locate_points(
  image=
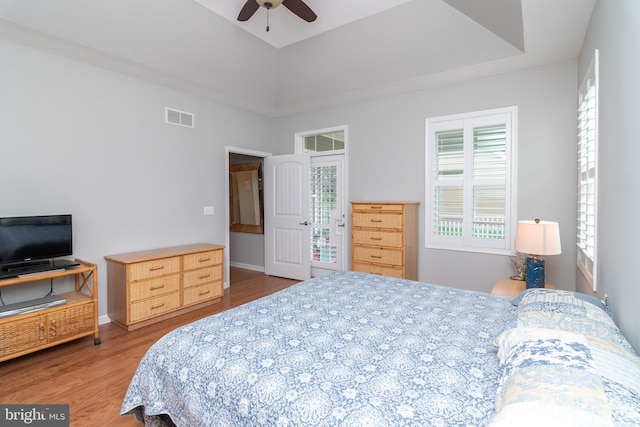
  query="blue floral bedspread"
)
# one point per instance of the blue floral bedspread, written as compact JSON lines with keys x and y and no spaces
{"x":347,"y":349}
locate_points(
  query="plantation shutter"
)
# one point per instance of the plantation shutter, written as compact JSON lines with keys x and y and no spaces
{"x":469,"y":160}
{"x":489,"y":188}
{"x":448,"y":203}
{"x":587,"y":173}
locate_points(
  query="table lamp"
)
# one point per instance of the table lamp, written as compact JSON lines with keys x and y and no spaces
{"x":537,"y":238}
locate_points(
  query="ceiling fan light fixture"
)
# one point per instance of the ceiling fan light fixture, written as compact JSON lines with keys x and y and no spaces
{"x":298,"y":7}
{"x":269,"y":4}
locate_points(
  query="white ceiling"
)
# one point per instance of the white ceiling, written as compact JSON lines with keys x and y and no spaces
{"x":286,"y":28}
{"x":356,"y":50}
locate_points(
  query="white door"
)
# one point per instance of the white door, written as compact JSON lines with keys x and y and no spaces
{"x":286,"y":216}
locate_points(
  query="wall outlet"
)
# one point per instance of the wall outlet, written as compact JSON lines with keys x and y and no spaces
{"x":209,"y":210}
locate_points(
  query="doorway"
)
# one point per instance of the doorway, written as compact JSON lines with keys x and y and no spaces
{"x":316,"y":238}
{"x":243,"y":250}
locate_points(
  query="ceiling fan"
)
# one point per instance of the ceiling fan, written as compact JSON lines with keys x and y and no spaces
{"x":298,"y":7}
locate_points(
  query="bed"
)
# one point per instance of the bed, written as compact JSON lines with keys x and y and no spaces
{"x":353,"y":349}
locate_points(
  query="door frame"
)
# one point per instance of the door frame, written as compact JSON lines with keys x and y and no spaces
{"x":227,"y":217}
{"x":298,"y":148}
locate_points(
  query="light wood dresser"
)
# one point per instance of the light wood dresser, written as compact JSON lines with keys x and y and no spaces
{"x":384,"y":238}
{"x":149,"y":286}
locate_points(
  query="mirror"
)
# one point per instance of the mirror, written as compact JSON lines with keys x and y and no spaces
{"x":245,"y":194}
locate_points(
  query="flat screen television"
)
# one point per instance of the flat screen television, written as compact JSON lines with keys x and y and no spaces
{"x":30,"y":243}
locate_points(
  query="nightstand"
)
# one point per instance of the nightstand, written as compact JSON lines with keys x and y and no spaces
{"x":512,"y":288}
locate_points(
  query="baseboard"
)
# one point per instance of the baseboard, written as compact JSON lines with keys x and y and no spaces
{"x":247,"y":266}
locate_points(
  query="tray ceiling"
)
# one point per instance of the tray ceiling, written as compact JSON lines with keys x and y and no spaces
{"x":356,"y":49}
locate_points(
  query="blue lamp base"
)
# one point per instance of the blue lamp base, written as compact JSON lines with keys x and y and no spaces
{"x":535,"y":272}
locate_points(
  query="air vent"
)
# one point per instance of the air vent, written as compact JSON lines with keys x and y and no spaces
{"x":177,"y":117}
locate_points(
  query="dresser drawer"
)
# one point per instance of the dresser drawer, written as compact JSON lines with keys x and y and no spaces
{"x":154,"y":287}
{"x":203,"y":275}
{"x":196,"y":294}
{"x":378,"y":238}
{"x":146,"y":309}
{"x":379,"y":269}
{"x":202,"y":259}
{"x":378,"y":220}
{"x":378,"y":255}
{"x":154,"y":268}
{"x":378,"y":207}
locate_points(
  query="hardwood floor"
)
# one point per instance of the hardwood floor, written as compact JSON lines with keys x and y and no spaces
{"x":93,"y":379}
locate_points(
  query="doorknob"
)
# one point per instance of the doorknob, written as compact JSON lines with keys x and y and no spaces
{"x":304,"y":223}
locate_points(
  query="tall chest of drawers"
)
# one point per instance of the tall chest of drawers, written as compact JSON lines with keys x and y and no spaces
{"x":384,"y":238}
{"x":149,"y":286}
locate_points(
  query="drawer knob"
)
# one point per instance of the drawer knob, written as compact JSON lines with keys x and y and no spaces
{"x":156,"y":268}
{"x":155,"y":288}
{"x":205,"y":276}
{"x":153,"y":307}
{"x":376,"y":256}
{"x":376,"y":238}
{"x":204,"y":259}
{"x":204,"y":293}
{"x":376,"y":220}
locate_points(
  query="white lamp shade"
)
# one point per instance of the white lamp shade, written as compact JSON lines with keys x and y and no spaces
{"x":538,"y":238}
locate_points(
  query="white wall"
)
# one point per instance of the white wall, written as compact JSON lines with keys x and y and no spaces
{"x":615,"y":31}
{"x":386,"y":152}
{"x":246,"y":250}
{"x":79,"y":139}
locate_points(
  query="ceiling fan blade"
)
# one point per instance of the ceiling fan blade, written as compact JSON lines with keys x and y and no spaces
{"x":301,"y":9}
{"x":248,"y":10}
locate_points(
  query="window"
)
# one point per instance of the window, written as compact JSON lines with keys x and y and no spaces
{"x":328,"y":141}
{"x":470,"y":181}
{"x":588,"y":173}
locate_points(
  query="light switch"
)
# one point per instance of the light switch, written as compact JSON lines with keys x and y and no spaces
{"x":209,"y":210}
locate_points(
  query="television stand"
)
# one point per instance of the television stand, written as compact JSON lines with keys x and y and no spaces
{"x":78,"y":317}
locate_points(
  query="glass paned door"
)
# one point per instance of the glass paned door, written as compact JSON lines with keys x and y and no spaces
{"x":327,"y":218}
